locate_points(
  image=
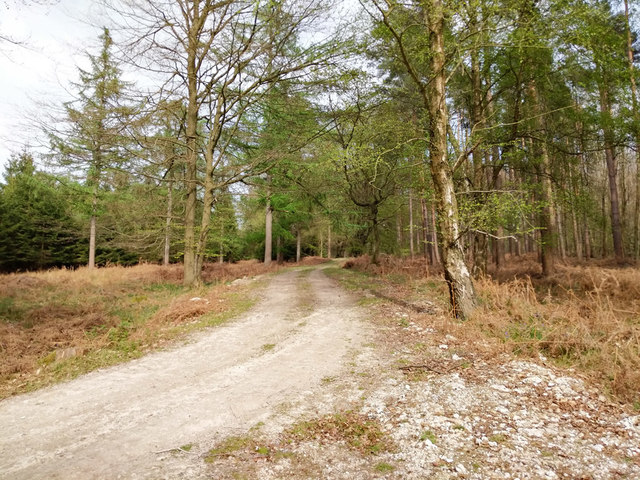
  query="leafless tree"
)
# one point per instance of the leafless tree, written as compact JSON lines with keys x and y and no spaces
{"x":220,"y":58}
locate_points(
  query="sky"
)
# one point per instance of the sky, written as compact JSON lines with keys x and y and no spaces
{"x":36,"y":75}
{"x":53,"y":36}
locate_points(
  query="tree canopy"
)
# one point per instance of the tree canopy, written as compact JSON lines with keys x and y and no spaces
{"x":462,"y":131}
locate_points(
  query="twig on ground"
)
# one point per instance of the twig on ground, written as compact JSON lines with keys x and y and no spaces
{"x":409,"y":368}
{"x":178,"y":449}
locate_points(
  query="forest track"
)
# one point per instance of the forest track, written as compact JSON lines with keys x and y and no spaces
{"x":120,"y":422}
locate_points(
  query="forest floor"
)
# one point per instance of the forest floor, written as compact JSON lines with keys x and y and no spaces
{"x":317,"y":381}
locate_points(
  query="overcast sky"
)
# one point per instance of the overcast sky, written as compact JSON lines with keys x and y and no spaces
{"x":53,"y":35}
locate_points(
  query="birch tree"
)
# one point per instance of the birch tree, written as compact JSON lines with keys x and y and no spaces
{"x":424,"y":59}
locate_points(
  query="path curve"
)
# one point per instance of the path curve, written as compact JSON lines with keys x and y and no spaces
{"x":111,"y":423}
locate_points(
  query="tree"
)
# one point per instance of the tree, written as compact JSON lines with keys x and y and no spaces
{"x":430,"y":78}
{"x":96,"y":121}
{"x":636,"y":128}
{"x":221,"y":57}
{"x":603,"y":39}
{"x":374,"y":141}
{"x":37,"y":226}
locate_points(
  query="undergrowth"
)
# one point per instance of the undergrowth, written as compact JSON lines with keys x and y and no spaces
{"x":584,"y":317}
{"x":59,"y":324}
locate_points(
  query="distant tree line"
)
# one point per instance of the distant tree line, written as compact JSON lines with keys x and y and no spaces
{"x":461,"y":132}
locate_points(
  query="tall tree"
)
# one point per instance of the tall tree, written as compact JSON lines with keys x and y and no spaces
{"x":430,"y":79}
{"x":92,"y":139}
{"x":635,"y":130}
{"x":221,"y":57}
{"x":604,"y":39}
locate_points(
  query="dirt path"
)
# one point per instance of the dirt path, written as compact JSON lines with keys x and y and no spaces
{"x":120,"y":422}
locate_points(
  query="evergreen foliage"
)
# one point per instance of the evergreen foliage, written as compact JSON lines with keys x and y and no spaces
{"x":37,"y":225}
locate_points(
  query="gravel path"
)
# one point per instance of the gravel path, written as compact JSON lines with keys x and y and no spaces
{"x":120,"y":422}
{"x":451,"y":409}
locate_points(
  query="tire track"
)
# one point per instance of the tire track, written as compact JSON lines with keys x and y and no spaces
{"x":109,"y":423}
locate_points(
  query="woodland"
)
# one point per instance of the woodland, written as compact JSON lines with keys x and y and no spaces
{"x":462,"y":133}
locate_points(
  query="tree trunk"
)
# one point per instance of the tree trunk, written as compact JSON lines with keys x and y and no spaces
{"x":434,"y":236}
{"x":603,"y":225}
{"x":425,"y":231}
{"x":498,"y":243}
{"x":279,"y":252}
{"x":480,"y":249}
{"x":616,"y":227}
{"x":561,"y":234}
{"x":375,"y":251}
{"x":167,"y":226}
{"x":636,"y":118}
{"x":548,"y":231}
{"x":588,"y":251}
{"x":298,"y":244}
{"x":622,"y":167}
{"x":92,"y":242}
{"x":209,"y":187}
{"x":329,"y":242}
{"x":398,"y":248}
{"x":479,"y":240}
{"x":461,"y":291}
{"x":221,"y":254}
{"x":191,"y":276}
{"x":577,"y":243}
{"x":92,"y":230}
{"x":411,"y":246}
{"x":586,"y":239}
{"x":268,"y":237}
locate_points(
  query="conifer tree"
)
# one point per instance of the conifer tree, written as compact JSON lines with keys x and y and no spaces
{"x":92,"y":141}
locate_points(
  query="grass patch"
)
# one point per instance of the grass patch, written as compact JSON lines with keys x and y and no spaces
{"x":228,"y":447}
{"x":498,"y":438}
{"x":245,"y":448}
{"x":383,"y":467}
{"x":356,"y":431}
{"x":267,"y":347}
{"x":183,"y":448}
{"x":428,"y":435}
{"x":369,"y":300}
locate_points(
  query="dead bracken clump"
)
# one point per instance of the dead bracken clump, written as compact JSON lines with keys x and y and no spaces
{"x":586,"y":317}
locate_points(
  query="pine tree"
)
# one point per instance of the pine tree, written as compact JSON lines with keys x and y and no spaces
{"x":96,"y":122}
{"x":37,"y":226}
